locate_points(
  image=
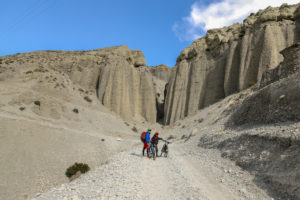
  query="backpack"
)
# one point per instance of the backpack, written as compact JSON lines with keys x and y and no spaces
{"x":143,"y":136}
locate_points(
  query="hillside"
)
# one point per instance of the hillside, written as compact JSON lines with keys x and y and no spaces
{"x":52,"y":115}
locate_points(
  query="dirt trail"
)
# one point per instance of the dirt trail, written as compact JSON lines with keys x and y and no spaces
{"x":128,"y":175}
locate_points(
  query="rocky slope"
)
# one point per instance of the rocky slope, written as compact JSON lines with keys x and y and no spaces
{"x":47,"y":123}
{"x":116,"y":76}
{"x":229,"y":60}
{"x":278,"y":99}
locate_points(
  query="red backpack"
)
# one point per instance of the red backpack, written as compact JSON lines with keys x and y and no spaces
{"x":143,"y":136}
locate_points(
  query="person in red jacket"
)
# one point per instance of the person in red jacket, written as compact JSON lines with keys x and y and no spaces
{"x":154,"y":141}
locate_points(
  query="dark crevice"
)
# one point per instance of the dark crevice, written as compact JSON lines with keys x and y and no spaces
{"x":160,"y":107}
{"x":97,"y":86}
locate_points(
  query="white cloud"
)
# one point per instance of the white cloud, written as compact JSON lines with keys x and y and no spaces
{"x":219,"y":14}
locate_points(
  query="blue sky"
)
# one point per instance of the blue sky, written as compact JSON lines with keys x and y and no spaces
{"x":160,"y":28}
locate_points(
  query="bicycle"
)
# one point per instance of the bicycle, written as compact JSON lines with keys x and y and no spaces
{"x":165,"y":149}
{"x":152,"y":153}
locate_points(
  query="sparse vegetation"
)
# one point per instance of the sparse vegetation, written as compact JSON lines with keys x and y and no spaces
{"x":22,"y":108}
{"x":88,"y":99}
{"x":102,"y":139}
{"x":29,"y":72}
{"x":38,"y":103}
{"x":126,"y":123}
{"x":75,"y":110}
{"x":134,"y":129}
{"x":72,"y":170}
{"x":158,"y":95}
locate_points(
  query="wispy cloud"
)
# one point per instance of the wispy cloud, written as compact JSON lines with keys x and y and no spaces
{"x":219,"y":14}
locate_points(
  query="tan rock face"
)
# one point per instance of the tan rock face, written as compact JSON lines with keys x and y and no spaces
{"x":289,"y":66}
{"x":127,"y":90}
{"x":161,"y":72}
{"x":229,"y":60}
{"x":118,"y":76}
{"x":277,"y":102}
{"x":161,"y":75}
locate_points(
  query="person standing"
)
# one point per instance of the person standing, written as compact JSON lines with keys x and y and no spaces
{"x":147,"y":142}
{"x":154,"y":141}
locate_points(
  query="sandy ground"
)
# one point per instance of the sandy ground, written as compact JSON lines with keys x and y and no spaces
{"x":180,"y":176}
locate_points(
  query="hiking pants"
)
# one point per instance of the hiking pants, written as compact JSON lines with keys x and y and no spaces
{"x":156,"y":149}
{"x":146,"y":146}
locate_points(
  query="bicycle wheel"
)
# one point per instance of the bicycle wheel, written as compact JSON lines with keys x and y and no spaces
{"x":153,"y":152}
{"x":166,"y":154}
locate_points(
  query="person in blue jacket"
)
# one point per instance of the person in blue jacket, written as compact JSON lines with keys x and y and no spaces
{"x":147,"y":142}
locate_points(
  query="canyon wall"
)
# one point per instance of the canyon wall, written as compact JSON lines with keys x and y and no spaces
{"x":229,"y":60}
{"x":117,"y":76}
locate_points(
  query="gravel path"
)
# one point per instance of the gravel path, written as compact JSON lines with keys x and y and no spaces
{"x":183,"y":175}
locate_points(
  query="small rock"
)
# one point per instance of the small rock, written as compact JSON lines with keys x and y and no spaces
{"x":38,"y":194}
{"x":282,"y":96}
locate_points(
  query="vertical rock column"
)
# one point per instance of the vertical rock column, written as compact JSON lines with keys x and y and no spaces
{"x":126,"y":87}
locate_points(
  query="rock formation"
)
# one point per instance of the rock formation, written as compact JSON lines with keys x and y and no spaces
{"x":126,"y":86}
{"x":229,"y":60}
{"x":118,"y":76}
{"x":289,"y":66}
{"x":277,"y":102}
{"x":161,"y":74}
{"x":223,"y":62}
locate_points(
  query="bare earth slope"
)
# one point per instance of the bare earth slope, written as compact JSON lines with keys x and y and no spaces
{"x":47,"y":123}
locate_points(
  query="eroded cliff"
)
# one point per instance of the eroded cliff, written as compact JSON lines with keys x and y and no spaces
{"x":229,"y":60}
{"x":115,"y":76}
